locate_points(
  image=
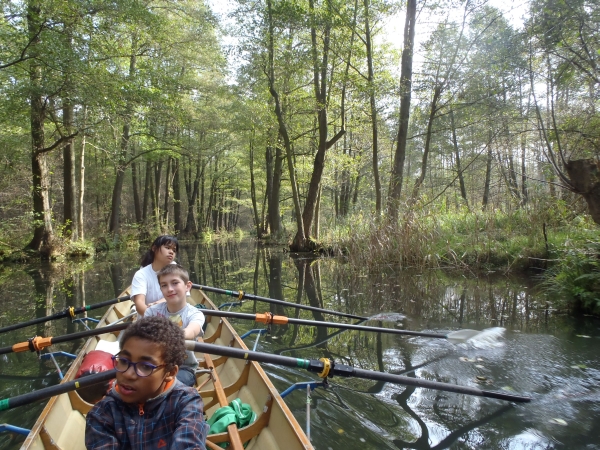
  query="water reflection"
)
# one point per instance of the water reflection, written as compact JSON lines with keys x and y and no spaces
{"x":543,"y":353}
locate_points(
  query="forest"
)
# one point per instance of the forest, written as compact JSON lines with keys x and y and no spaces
{"x":472,"y":144}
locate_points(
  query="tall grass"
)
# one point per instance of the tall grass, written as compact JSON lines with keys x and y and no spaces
{"x":464,"y":240}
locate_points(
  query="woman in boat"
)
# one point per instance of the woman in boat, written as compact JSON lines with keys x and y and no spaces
{"x":145,"y":290}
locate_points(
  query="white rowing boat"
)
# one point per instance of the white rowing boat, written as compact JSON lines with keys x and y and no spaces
{"x":61,"y":425}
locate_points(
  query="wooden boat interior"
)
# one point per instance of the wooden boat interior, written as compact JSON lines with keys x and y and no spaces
{"x":61,"y":426}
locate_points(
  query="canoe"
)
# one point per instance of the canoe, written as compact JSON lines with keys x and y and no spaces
{"x":61,"y":425}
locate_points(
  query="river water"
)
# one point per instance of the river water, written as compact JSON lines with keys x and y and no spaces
{"x":551,"y":357}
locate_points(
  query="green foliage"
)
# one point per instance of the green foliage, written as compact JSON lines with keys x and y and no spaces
{"x":575,"y":277}
{"x":461,"y":240}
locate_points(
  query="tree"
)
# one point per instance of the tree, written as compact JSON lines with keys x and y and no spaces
{"x":39,"y":43}
{"x":397,"y":175}
{"x":320,"y":85}
{"x":565,"y":41}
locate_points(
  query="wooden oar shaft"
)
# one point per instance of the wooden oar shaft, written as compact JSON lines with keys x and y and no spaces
{"x":38,"y":343}
{"x":320,"y":366}
{"x":66,"y":313}
{"x":268,"y":318}
{"x":51,"y":391}
{"x":241,"y":295}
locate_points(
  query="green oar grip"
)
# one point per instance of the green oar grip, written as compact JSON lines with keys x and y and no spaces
{"x":42,"y":394}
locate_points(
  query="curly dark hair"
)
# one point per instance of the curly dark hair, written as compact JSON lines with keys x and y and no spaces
{"x":148,"y":257}
{"x":163,"y":332}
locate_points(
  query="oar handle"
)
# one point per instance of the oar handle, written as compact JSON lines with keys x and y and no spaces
{"x":51,"y":391}
{"x":66,"y":313}
{"x":88,"y":333}
{"x":325,"y":368}
{"x":40,"y":343}
{"x":241,"y":295}
{"x":107,"y":303}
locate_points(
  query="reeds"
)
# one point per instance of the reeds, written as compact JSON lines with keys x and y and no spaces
{"x":461,"y":240}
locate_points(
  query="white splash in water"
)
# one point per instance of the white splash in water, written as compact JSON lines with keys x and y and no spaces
{"x":488,"y":338}
{"x":388,"y":317}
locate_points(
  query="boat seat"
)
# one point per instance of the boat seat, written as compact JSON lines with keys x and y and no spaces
{"x":70,"y":430}
{"x":74,"y":432}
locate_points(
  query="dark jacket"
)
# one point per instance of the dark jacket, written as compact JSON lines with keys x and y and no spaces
{"x":172,"y":420}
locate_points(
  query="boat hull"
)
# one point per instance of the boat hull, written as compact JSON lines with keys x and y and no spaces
{"x":61,"y":425}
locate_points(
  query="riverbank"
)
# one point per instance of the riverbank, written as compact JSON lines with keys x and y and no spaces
{"x":551,"y":244}
{"x":561,"y":250}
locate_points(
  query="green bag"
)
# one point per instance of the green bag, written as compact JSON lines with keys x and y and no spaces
{"x":237,"y":412}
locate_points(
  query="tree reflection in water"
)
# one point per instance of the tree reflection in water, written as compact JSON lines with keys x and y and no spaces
{"x":382,"y":415}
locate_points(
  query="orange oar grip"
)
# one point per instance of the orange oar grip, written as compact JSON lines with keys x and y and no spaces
{"x":35,"y":345}
{"x":270,"y":318}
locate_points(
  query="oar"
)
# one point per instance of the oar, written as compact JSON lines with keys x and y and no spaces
{"x":241,"y":295}
{"x":51,"y":391}
{"x":328,"y":368}
{"x":69,"y":312}
{"x":455,"y":337}
{"x":72,"y":311}
{"x":38,"y":343}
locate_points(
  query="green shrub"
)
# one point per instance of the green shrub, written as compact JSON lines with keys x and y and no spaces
{"x":575,"y":277}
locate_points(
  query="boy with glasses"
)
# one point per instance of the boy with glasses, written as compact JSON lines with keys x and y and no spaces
{"x":148,"y":407}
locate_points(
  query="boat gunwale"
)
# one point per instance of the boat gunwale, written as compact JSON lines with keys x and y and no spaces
{"x":277,"y":400}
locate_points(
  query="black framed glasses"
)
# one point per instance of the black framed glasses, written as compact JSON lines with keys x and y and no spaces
{"x":141,"y":368}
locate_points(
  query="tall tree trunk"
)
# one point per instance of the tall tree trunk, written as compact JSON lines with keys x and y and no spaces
{"x":301,"y":241}
{"x":115,"y":216}
{"x":345,"y":185}
{"x":269,"y":186}
{"x":137,"y":206}
{"x":274,"y":211}
{"x":432,"y":112}
{"x":81,"y":168}
{"x":190,"y":224}
{"x":257,"y":223}
{"x":220,"y":223}
{"x":177,"y":224}
{"x":147,"y":192}
{"x":524,"y":193}
{"x":459,"y":171}
{"x":396,"y":178}
{"x":374,"y":130}
{"x":156,"y":196}
{"x":212,"y":209}
{"x":512,"y":175}
{"x":317,"y":224}
{"x":42,"y":217}
{"x":70,"y":185}
{"x":201,"y":200}
{"x":488,"y":173}
{"x":282,"y":127}
{"x":167,"y":194}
